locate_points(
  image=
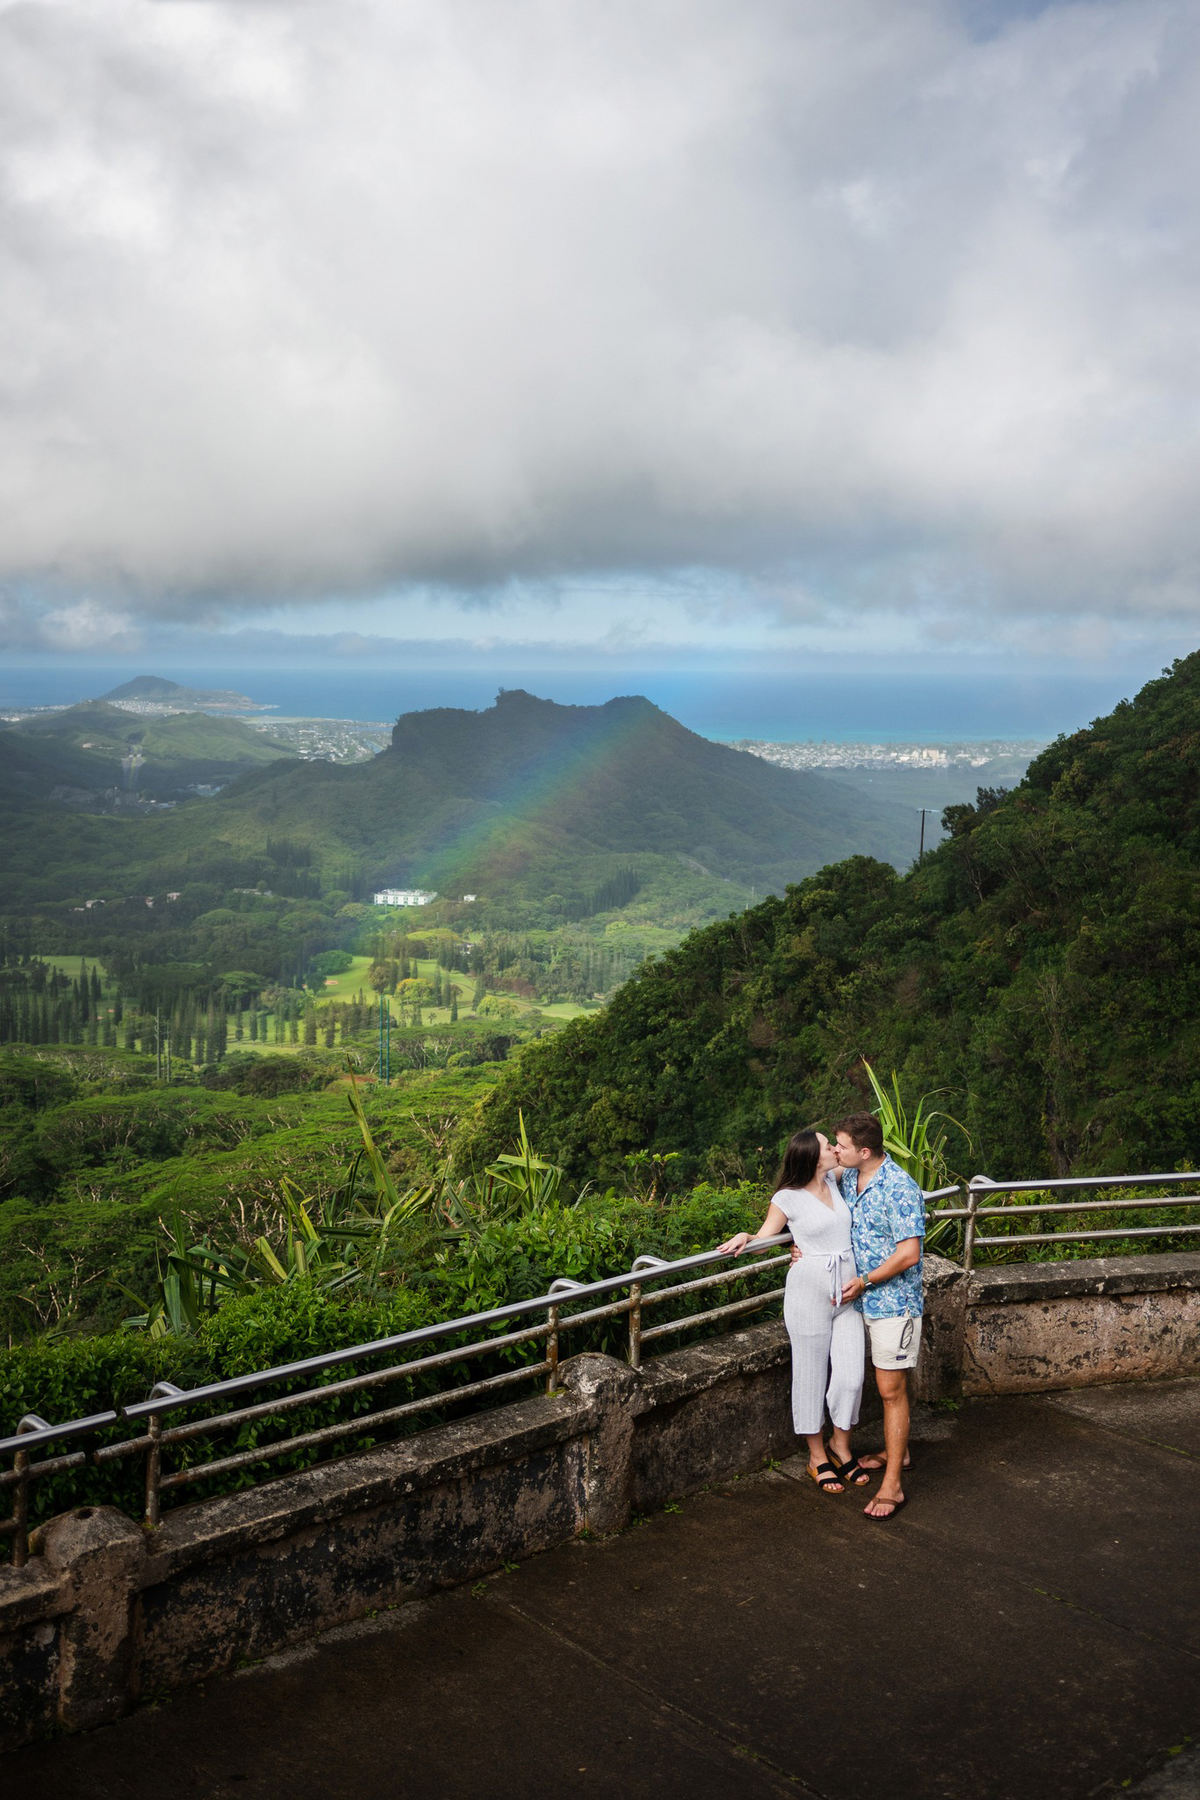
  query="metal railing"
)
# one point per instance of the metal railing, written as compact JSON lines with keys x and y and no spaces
{"x":982,"y":1193}
{"x":153,"y":1436}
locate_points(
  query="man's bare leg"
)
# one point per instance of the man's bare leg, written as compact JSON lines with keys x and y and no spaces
{"x":877,"y":1459}
{"x":893,"y":1391}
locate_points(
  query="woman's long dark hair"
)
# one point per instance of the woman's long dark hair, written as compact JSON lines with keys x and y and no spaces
{"x":800,"y":1161}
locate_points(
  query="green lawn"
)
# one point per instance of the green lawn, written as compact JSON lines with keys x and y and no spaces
{"x":345,"y":987}
{"x":71,"y":965}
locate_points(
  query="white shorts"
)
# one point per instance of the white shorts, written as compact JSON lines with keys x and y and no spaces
{"x":895,"y":1342}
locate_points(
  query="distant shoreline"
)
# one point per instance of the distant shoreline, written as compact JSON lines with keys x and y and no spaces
{"x":769,"y":708}
{"x":891,"y":744}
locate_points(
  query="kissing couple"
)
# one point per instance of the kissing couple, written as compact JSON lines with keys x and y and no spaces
{"x":858,"y":1228}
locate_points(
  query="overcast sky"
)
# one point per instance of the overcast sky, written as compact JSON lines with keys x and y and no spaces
{"x":729,"y":323}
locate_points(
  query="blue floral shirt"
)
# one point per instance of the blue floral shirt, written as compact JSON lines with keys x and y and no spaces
{"x":890,"y":1209}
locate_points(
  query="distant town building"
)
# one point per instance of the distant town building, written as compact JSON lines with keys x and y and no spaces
{"x":403,"y":897}
{"x":812,"y":755}
{"x":470,"y":896}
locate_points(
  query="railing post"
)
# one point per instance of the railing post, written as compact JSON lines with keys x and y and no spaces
{"x":20,"y":1549}
{"x":557,"y":1289}
{"x":643,"y":1265}
{"x":974,"y":1187}
{"x":162,"y":1390}
{"x":153,"y":1468}
{"x":635,"y":1325}
{"x":552,"y":1350}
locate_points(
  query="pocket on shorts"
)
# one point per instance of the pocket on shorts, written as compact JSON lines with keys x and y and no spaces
{"x":896,"y":1342}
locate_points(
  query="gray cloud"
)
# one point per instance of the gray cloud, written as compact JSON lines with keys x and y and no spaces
{"x":891,"y":303}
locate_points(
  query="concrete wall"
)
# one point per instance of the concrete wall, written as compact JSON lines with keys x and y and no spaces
{"x":1028,"y":1327}
{"x":105,"y":1613}
{"x":1061,"y":1325}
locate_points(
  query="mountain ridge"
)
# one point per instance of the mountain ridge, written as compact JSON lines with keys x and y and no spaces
{"x":156,"y":689}
{"x":528,"y":799}
{"x":624,"y":776}
{"x":1039,"y":971}
{"x":172,"y":750}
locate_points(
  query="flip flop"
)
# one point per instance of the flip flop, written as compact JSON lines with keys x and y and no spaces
{"x":884,"y":1518}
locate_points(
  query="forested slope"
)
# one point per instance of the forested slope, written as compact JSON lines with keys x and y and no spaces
{"x":526,"y":798}
{"x":520,"y":792}
{"x":170,"y":751}
{"x":1042,"y":966}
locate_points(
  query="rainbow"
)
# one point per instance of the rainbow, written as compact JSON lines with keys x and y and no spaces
{"x":497,"y":836}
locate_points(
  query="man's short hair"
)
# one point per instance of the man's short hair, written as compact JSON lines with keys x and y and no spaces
{"x":864,"y":1131}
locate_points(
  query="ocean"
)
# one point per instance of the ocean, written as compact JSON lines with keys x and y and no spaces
{"x":839,"y":706}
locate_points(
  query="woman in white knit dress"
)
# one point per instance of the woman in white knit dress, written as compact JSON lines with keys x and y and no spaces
{"x":828,"y":1342}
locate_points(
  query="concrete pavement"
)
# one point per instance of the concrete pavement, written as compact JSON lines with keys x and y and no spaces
{"x":1029,"y":1626}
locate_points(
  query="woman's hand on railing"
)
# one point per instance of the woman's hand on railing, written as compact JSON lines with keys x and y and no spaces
{"x":735,"y":1245}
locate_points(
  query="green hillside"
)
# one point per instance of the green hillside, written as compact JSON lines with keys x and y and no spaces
{"x":156,"y":691}
{"x":155,"y":755}
{"x":530,"y":802}
{"x":1042,"y":966}
{"x":32,"y":765}
{"x":514,"y":797}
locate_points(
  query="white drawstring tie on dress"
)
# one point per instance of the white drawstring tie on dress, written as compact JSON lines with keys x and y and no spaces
{"x":833,"y":1263}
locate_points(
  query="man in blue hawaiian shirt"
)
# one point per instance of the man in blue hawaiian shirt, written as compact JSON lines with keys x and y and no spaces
{"x":887,"y":1231}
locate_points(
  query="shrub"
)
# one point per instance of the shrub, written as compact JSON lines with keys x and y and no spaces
{"x":509,"y":1259}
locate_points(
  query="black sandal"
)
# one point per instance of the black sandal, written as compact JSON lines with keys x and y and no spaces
{"x":852,"y":1473}
{"x":826,"y":1478}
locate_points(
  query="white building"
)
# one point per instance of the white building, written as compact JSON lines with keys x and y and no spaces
{"x":403,"y":897}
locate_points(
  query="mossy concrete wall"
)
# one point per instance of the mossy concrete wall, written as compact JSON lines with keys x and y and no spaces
{"x":1059,"y":1325}
{"x":105,"y":1613}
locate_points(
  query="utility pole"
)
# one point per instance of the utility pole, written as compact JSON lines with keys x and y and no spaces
{"x":157,"y":1045}
{"x":921,"y":851}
